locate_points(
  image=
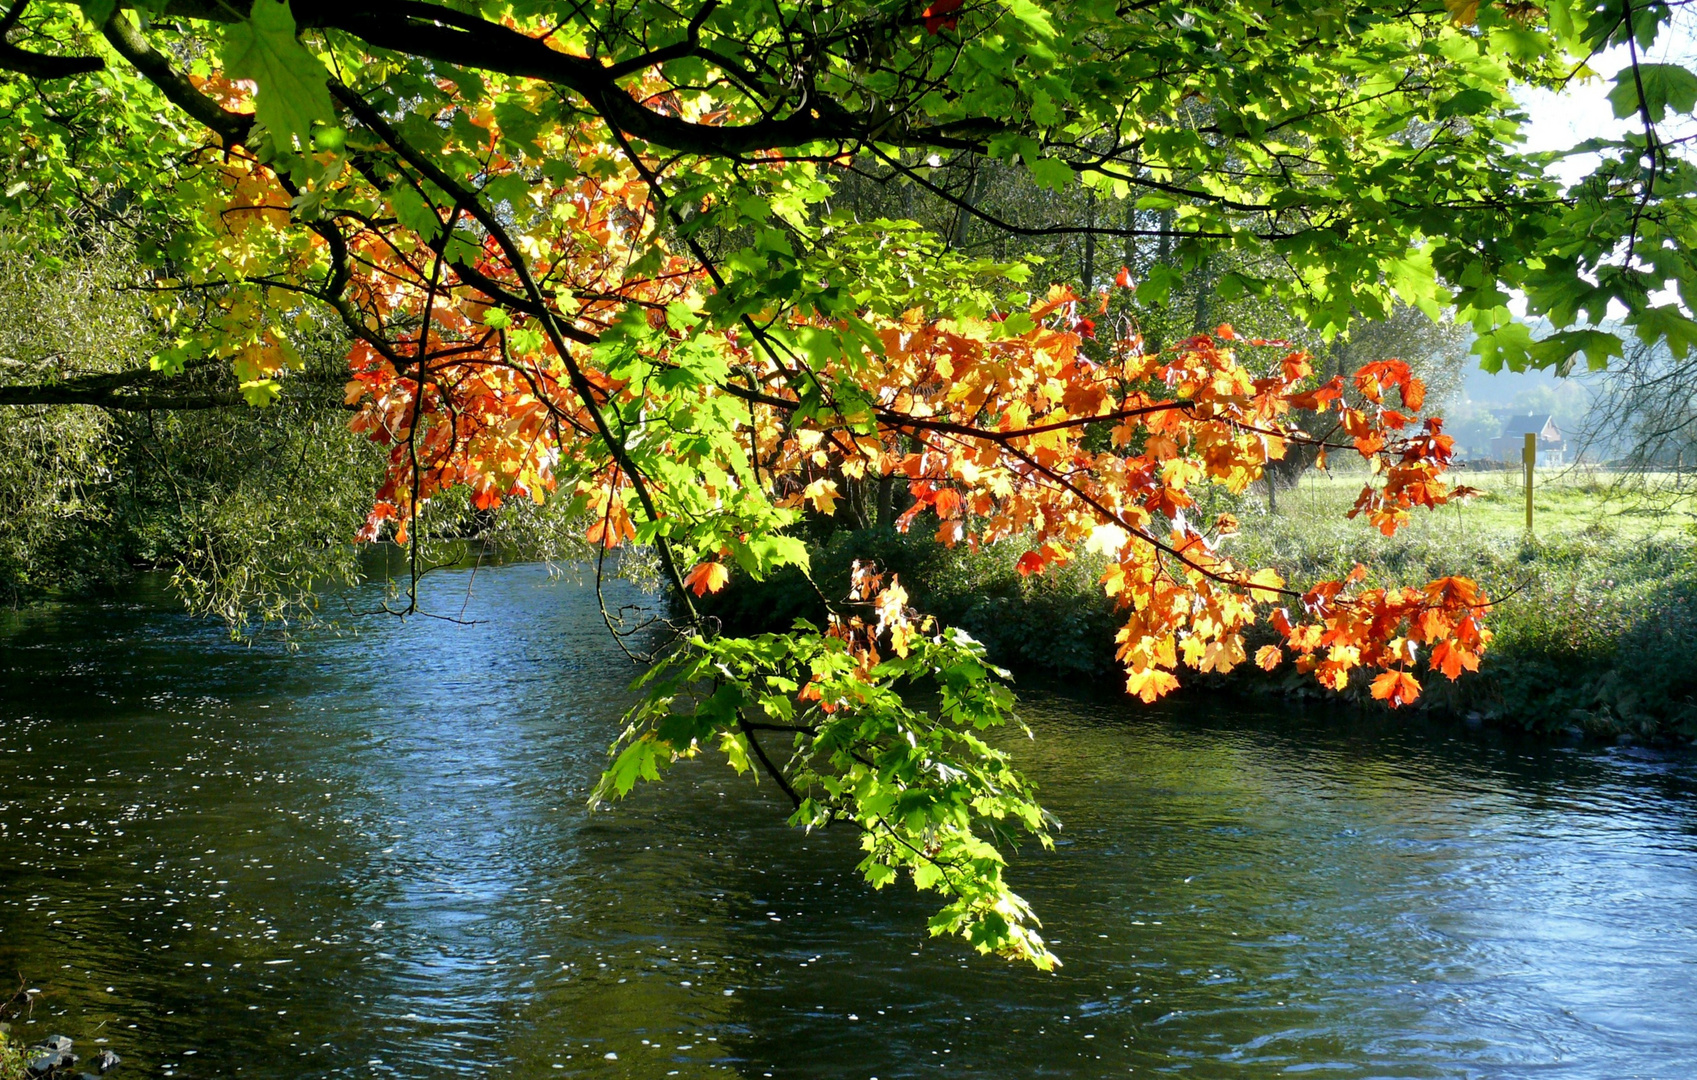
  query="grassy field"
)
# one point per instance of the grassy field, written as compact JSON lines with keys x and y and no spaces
{"x":1565,"y":502}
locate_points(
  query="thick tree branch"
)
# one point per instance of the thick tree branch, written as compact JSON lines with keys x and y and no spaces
{"x":113,"y":398}
{"x":42,"y":66}
{"x":232,"y":127}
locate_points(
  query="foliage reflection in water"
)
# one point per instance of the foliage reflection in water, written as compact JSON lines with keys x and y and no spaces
{"x":371,"y":857}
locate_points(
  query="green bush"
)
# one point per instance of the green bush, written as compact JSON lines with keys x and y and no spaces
{"x":14,"y":1065}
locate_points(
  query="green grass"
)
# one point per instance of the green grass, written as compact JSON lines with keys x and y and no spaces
{"x":1564,"y":502}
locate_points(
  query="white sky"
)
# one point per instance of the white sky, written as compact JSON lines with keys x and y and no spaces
{"x":1582,"y":111}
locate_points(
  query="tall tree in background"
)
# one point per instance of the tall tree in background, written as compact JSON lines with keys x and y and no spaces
{"x":596,"y":254}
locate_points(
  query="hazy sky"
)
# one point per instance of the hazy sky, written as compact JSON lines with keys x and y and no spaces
{"x":1582,"y":111}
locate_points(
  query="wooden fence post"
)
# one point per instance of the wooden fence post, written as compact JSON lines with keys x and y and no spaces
{"x":1529,"y":456}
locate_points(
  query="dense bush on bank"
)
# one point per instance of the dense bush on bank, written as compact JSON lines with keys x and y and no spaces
{"x":1593,"y":631}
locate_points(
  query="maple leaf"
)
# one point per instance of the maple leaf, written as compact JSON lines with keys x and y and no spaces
{"x":1267,"y":657}
{"x":1396,"y":687}
{"x":1123,"y":278}
{"x":1150,"y":685}
{"x":293,"y":91}
{"x":1452,"y":659}
{"x":707,"y":577}
{"x":823,"y":495}
{"x":946,"y":503}
{"x":1265,"y":584}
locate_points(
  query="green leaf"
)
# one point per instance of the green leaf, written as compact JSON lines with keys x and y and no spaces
{"x":1468,"y":102}
{"x":1052,"y":173}
{"x":98,"y":12}
{"x":412,"y":211}
{"x":1032,"y":16}
{"x":1665,"y":86}
{"x":1560,"y":350}
{"x":261,"y":392}
{"x":635,"y":762}
{"x":1509,"y":344}
{"x":1666,"y":322}
{"x":292,"y":94}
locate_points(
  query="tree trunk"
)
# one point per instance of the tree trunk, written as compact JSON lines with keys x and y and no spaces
{"x":1130,"y":235}
{"x":887,"y":501}
{"x":968,"y":199}
{"x":1090,"y":244}
{"x":1204,"y":297}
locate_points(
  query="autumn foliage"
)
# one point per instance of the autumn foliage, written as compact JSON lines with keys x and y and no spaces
{"x":573,"y":337}
{"x":1024,"y":427}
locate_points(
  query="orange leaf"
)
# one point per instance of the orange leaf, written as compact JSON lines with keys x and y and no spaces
{"x":1151,"y":684}
{"x":1267,"y":657}
{"x":946,"y":503}
{"x":1396,"y":687}
{"x":707,"y":577}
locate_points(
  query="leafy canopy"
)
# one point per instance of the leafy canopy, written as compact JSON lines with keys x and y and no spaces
{"x":593,"y":252}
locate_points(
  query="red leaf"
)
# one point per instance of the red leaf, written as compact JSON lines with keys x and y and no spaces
{"x":939,"y":16}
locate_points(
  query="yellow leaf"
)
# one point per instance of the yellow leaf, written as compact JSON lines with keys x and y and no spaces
{"x":1264,"y":585}
{"x":1150,"y":684}
{"x":823,"y":495}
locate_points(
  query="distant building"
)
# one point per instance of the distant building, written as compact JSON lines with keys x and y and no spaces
{"x":1552,"y":447}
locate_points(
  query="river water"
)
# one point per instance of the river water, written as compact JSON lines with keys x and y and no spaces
{"x":370,"y":856}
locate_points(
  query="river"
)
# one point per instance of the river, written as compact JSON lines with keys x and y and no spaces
{"x":370,"y":856}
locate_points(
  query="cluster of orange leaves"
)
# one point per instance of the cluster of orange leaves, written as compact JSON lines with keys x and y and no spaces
{"x":1032,"y":438}
{"x":478,"y":405}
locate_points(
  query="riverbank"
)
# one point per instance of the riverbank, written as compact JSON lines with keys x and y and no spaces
{"x":1596,"y":628}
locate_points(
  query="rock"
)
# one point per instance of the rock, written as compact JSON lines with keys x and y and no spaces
{"x":53,"y":1044}
{"x":1474,"y":721}
{"x":1623,"y":739}
{"x":105,"y":1061}
{"x":50,"y":1063}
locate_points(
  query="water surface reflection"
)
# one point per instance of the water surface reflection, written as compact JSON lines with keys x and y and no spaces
{"x":371,"y":857}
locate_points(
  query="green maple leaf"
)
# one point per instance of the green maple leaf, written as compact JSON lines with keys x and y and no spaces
{"x":98,"y":12}
{"x":292,"y":93}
